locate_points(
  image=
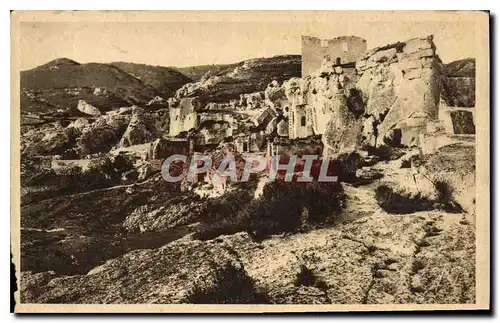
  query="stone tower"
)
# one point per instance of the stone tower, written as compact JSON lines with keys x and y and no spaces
{"x":341,"y":50}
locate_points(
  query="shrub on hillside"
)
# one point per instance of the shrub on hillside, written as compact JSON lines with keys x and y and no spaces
{"x":283,"y":207}
{"x":402,"y":202}
{"x":232,"y":286}
{"x":445,"y":196}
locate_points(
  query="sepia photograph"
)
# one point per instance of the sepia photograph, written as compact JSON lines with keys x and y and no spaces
{"x":251,"y":161}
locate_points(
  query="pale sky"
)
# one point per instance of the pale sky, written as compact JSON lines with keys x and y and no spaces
{"x":187,"y":43}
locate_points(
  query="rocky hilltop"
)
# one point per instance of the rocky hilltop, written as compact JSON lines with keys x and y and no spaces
{"x":198,"y":71}
{"x":246,"y":77}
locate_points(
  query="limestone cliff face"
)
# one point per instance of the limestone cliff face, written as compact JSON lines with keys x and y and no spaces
{"x":401,"y":85}
{"x":343,"y":129}
{"x":388,"y":99}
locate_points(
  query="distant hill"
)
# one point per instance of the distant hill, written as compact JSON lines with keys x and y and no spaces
{"x":165,"y":80}
{"x":59,"y":85}
{"x":249,"y":76}
{"x":459,"y":83}
{"x":56,"y":87}
{"x":461,"y":68}
{"x":197,"y":72}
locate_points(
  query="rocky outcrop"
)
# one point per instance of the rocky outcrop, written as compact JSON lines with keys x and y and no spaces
{"x":325,"y":103}
{"x":49,"y":139}
{"x":118,"y":128}
{"x":60,"y":85}
{"x":453,"y":168}
{"x":101,"y":135}
{"x":424,"y":257}
{"x":246,"y":77}
{"x":159,"y":149}
{"x":181,"y":272}
{"x":79,"y":124}
{"x":401,"y":84}
{"x":343,"y":129}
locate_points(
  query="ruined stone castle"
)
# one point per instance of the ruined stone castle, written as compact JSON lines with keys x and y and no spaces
{"x":341,"y":50}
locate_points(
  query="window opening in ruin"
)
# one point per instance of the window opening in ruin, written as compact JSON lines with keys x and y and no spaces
{"x":338,"y":61}
{"x":345,"y":47}
{"x":303,"y":121}
{"x":245,"y":146}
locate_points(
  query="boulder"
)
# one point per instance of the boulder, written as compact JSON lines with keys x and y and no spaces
{"x":139,"y":130}
{"x":48,"y":139}
{"x":97,"y":137}
{"x":89,"y":109}
{"x":79,"y":124}
{"x":417,"y":55}
{"x":383,"y":55}
{"x":156,"y":100}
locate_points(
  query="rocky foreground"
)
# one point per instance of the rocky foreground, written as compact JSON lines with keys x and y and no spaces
{"x":426,"y":257}
{"x":367,"y":256}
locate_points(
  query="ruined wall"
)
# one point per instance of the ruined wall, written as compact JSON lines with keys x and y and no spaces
{"x":347,"y":48}
{"x":401,"y":86}
{"x":251,"y":143}
{"x":213,"y":133}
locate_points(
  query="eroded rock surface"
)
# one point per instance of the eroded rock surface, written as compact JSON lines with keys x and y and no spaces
{"x":401,"y":84}
{"x":417,"y":258}
{"x":181,"y":272}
